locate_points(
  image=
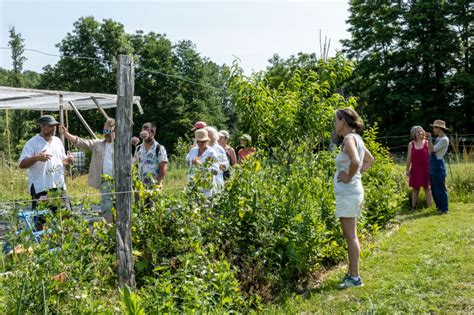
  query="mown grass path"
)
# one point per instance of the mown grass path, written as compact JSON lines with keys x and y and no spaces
{"x":426,"y":265}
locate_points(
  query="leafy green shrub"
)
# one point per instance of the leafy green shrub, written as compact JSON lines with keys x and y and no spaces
{"x":460,"y":180}
{"x":82,"y":263}
{"x":277,"y":224}
{"x":383,"y":186}
{"x":175,"y":268}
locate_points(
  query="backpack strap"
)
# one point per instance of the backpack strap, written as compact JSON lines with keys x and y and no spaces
{"x":157,"y":149}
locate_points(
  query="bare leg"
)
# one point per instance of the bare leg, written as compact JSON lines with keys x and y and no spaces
{"x":349,"y":229}
{"x":414,"y":197}
{"x":429,"y":196}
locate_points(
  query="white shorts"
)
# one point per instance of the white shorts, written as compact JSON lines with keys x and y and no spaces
{"x":349,"y":206}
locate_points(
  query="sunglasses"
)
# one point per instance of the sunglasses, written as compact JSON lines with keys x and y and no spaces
{"x":107,"y":131}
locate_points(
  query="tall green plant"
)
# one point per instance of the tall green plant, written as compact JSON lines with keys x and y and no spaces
{"x":300,"y":110}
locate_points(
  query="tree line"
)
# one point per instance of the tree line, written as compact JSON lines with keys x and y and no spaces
{"x":171,"y":103}
{"x":412,"y":63}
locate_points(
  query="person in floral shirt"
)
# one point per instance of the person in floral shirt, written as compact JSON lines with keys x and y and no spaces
{"x":151,"y":158}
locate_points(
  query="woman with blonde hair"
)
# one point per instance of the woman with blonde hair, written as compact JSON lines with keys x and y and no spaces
{"x":418,"y":166}
{"x":353,"y":159}
{"x":229,"y":151}
{"x":221,"y":157}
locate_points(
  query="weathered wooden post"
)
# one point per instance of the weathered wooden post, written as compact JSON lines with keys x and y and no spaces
{"x":123,"y":171}
{"x":61,"y":115}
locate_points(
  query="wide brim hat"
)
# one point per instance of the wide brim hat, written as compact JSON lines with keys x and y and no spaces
{"x":201,"y":135}
{"x":246,"y":137}
{"x":440,"y":124}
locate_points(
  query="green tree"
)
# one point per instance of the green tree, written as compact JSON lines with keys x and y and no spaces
{"x":300,"y":110}
{"x":17,"y":49}
{"x":408,"y":56}
{"x":89,"y":64}
{"x":167,"y":100}
{"x":18,"y":125}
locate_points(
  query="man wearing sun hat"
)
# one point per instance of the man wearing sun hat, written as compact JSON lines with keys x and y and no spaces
{"x":45,"y":158}
{"x":438,"y":150}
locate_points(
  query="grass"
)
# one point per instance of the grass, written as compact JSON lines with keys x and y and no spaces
{"x":424,"y":265}
{"x":14,"y":185}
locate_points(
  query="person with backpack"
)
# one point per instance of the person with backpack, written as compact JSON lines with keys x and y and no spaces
{"x":151,"y":158}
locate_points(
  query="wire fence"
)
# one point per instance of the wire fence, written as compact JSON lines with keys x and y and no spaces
{"x":467,"y":139}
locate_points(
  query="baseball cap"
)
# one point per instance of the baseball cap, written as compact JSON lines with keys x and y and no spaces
{"x":47,"y":120}
{"x":199,"y":125}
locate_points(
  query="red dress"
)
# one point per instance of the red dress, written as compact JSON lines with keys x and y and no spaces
{"x":420,"y":166}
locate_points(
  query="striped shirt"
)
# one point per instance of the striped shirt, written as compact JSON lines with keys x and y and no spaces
{"x":440,"y":147}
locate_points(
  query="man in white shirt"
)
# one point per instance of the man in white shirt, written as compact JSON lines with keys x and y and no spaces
{"x":45,"y":158}
{"x":438,"y":166}
{"x":101,"y":169}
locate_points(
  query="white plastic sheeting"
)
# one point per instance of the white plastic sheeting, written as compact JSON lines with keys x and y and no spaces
{"x":18,"y":98}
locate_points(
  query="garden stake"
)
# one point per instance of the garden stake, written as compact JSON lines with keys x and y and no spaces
{"x":18,"y":309}
{"x":45,"y":307}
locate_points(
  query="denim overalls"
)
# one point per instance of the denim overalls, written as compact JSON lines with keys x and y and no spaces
{"x":437,"y":179}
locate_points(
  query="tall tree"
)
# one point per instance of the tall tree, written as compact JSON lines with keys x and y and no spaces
{"x":17,"y":49}
{"x":19,"y":127}
{"x":175,"y":83}
{"x":407,"y":55}
{"x":89,"y":63}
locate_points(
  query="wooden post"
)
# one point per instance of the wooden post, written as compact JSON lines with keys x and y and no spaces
{"x":61,"y":115}
{"x":123,"y":171}
{"x":83,"y":121}
{"x":96,"y":102}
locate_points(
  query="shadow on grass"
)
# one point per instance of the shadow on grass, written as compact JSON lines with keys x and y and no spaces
{"x":407,"y":215}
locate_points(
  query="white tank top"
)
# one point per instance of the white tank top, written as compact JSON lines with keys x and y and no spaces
{"x":342,"y":164}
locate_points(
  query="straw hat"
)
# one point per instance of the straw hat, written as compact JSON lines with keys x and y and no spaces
{"x":201,"y":135}
{"x":440,"y":124}
{"x":246,"y":137}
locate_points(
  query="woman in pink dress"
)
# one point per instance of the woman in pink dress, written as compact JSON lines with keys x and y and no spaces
{"x":418,"y":166}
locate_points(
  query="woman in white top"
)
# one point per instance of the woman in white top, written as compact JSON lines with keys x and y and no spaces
{"x":200,"y":155}
{"x":353,"y":159}
{"x":221,"y":157}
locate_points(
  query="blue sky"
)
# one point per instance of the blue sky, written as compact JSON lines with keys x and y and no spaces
{"x":222,"y":30}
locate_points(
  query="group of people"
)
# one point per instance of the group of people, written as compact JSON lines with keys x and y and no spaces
{"x":45,"y":158}
{"x":212,"y":152}
{"x":425,"y":166}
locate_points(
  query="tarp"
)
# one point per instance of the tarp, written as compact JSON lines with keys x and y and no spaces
{"x":46,"y":100}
